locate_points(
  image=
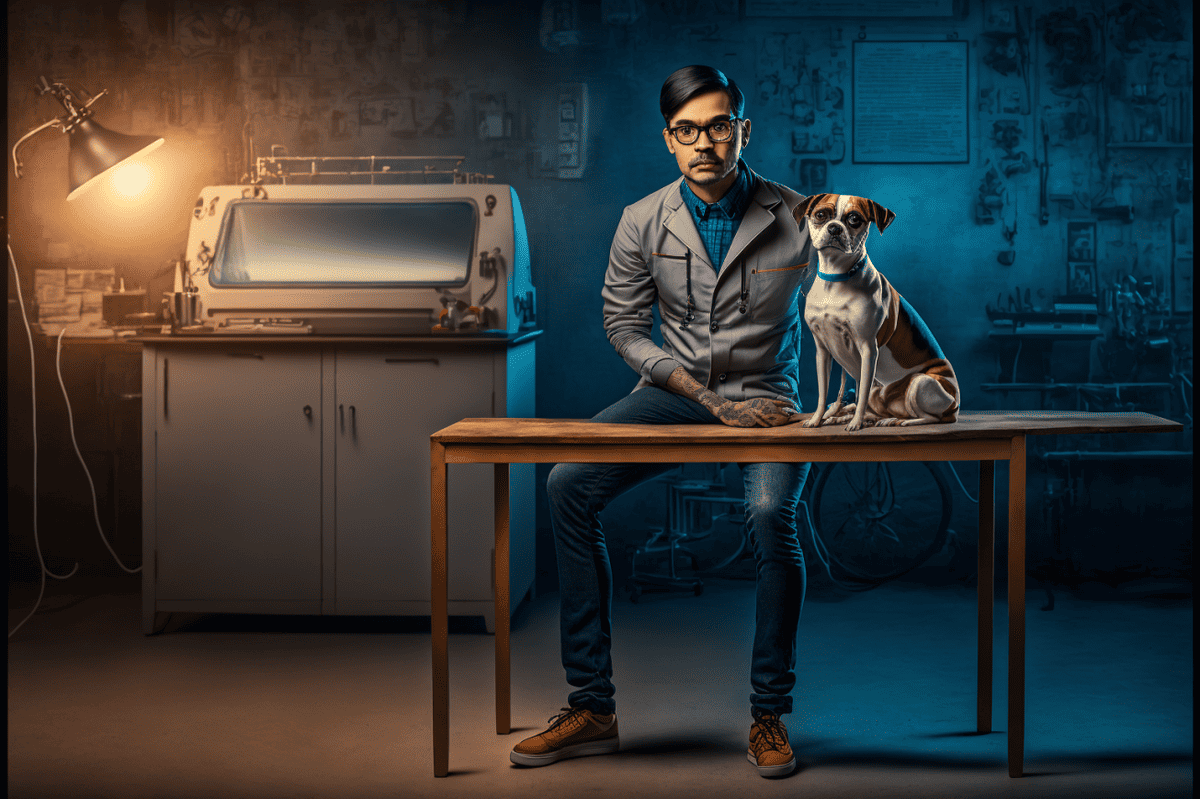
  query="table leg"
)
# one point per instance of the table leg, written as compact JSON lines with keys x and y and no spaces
{"x":503,"y":674}
{"x":1016,"y":608}
{"x":986,"y":590}
{"x":438,"y":620}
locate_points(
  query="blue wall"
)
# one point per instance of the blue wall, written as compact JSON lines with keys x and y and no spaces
{"x":424,"y":78}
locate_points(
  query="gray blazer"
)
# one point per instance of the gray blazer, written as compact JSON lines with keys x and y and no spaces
{"x":743,"y":336}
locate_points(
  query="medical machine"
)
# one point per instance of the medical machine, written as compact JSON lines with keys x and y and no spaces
{"x":295,"y":252}
{"x":330,"y":315}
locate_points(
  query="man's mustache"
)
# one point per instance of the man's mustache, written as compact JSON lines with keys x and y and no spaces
{"x":704,"y":160}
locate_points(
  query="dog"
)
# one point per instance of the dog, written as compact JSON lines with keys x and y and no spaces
{"x":858,"y":319}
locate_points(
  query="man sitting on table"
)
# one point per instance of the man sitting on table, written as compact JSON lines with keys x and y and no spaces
{"x":722,"y":256}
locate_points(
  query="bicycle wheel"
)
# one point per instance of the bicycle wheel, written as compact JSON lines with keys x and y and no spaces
{"x":876,"y":521}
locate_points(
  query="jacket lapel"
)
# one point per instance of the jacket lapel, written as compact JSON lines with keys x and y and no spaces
{"x":680,"y":223}
{"x":759,"y":216}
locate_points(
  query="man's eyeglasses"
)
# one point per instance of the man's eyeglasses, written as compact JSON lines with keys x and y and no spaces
{"x":718,"y":132}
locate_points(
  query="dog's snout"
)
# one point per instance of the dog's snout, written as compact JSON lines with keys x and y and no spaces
{"x":834,"y":228}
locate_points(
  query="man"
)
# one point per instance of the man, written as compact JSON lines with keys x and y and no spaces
{"x":722,"y":256}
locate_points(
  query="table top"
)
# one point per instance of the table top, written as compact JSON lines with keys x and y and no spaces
{"x":970,"y":425}
{"x":448,"y":340}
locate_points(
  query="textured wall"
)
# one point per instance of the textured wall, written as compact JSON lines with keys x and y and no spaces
{"x":481,"y":79}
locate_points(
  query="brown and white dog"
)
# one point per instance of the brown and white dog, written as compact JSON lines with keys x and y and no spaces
{"x":859,"y":320}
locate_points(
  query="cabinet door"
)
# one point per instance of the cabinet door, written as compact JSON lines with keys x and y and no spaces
{"x":238,"y":471}
{"x":387,"y":406}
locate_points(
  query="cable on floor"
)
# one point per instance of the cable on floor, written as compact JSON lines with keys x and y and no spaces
{"x":44,"y":571}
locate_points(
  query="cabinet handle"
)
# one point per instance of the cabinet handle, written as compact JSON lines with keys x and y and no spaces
{"x":246,"y":355}
{"x":166,"y":362}
{"x":308,"y":411}
{"x":433,"y":361}
{"x":353,"y":426}
{"x":342,"y":417}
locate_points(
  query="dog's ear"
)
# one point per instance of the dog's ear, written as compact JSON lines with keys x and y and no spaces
{"x":881,"y":216}
{"x":801,"y":210}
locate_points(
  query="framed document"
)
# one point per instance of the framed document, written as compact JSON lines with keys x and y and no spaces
{"x":910,"y":103}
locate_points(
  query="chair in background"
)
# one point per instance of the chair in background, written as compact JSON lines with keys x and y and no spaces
{"x":668,"y":561}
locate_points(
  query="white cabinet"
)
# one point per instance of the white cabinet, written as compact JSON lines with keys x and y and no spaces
{"x":293,"y":477}
{"x":388,"y":405}
{"x":237,"y":471}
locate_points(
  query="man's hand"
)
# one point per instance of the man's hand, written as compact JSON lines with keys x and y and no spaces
{"x":757,"y":412}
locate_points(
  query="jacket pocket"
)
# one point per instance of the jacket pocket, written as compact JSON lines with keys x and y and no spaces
{"x":671,"y":278}
{"x":773,"y":291}
{"x":782,"y":268}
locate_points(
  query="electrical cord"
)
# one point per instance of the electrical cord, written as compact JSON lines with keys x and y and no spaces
{"x":33,"y":385}
{"x":44,"y":570}
{"x":78,"y":454}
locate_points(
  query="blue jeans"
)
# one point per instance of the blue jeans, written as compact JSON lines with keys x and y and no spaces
{"x":579,"y":491}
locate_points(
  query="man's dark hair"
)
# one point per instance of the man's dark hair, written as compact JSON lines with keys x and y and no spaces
{"x":684,"y":84}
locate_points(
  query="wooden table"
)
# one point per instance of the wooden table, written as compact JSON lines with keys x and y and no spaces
{"x":986,"y":437}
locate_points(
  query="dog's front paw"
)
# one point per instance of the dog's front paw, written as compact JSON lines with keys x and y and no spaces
{"x":855,"y":424}
{"x":813,"y":421}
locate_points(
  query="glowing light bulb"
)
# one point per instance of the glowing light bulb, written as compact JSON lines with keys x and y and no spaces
{"x":130,"y":179}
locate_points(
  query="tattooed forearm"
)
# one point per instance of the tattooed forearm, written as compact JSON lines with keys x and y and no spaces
{"x":757,"y":412}
{"x":681,"y":382}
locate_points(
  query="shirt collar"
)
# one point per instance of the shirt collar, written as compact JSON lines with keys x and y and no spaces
{"x":733,"y":204}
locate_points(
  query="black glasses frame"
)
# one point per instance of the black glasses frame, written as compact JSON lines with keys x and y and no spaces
{"x":705,"y":130}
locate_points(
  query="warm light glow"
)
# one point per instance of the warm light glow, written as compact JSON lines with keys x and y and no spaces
{"x":130,"y":179}
{"x":154,"y":220}
{"x":108,"y":173}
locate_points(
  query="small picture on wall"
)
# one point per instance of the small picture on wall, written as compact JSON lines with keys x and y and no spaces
{"x":813,"y":174}
{"x":1081,"y":278}
{"x":1081,"y":241}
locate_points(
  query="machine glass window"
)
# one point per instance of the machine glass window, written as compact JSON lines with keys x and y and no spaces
{"x":340,"y":243}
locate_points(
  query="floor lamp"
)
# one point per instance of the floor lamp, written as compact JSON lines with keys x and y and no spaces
{"x":94,"y":149}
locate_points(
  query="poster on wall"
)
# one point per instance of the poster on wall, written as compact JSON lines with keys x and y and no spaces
{"x":910,"y":103}
{"x":1081,"y":278}
{"x":1081,"y":241}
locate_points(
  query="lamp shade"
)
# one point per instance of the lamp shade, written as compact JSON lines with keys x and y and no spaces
{"x":94,"y":149}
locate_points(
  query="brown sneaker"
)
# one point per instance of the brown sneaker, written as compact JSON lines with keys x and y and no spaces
{"x":573,"y":733}
{"x":769,"y":749}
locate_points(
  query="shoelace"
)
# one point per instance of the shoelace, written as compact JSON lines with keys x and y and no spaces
{"x":563,"y":717}
{"x":772,"y":728}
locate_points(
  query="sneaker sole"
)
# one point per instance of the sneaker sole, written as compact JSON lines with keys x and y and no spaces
{"x":781,"y":770}
{"x":603,"y":747}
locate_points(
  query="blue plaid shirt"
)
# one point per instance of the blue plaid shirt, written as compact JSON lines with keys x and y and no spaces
{"x":719,"y":221}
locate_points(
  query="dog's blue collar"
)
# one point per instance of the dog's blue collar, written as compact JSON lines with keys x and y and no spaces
{"x":835,"y":278}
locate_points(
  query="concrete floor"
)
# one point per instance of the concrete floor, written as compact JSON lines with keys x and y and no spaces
{"x":263,"y":707}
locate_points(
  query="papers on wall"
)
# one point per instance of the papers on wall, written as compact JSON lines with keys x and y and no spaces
{"x":72,"y":299}
{"x":910,"y":102}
